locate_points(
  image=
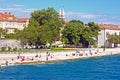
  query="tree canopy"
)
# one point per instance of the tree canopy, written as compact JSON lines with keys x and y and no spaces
{"x":76,"y":32}
{"x":71,"y":32}
{"x":113,"y":39}
{"x":44,"y":26}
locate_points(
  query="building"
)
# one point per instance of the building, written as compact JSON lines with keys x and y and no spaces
{"x":10,"y":23}
{"x":62,"y":15}
{"x":107,"y":29}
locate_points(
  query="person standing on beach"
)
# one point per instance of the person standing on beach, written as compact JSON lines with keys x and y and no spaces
{"x":46,"y":56}
{"x":40,"y":56}
{"x":6,"y":63}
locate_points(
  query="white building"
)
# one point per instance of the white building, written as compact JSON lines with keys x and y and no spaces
{"x":105,"y":30}
{"x":10,"y":23}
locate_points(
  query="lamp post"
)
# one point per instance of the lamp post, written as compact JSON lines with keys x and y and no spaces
{"x":104,"y":40}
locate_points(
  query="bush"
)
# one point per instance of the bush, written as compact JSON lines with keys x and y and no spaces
{"x":61,"y":48}
{"x":15,"y":49}
{"x":3,"y":48}
{"x":104,"y":47}
{"x":57,"y":48}
{"x":9,"y":48}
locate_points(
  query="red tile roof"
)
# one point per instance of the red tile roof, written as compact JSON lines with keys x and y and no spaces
{"x":9,"y":16}
{"x":107,"y":26}
{"x":66,"y":22}
{"x":22,"y":19}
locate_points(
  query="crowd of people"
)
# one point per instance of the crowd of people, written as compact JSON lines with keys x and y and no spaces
{"x":50,"y":56}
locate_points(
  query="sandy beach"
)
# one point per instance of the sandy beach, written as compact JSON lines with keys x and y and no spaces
{"x":7,"y":59}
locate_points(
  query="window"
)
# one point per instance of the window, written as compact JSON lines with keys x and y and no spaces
{"x":107,"y":34}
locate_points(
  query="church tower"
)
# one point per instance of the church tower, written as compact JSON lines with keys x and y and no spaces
{"x":62,"y":14}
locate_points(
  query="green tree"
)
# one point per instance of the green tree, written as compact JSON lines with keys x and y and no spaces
{"x":22,"y":36}
{"x":91,"y":31}
{"x":49,"y":23}
{"x":32,"y":31}
{"x":94,"y":28}
{"x":10,"y":36}
{"x":76,"y":32}
{"x":71,"y":32}
{"x":44,"y":26}
{"x":86,"y":36}
{"x":113,"y":39}
{"x":2,"y":32}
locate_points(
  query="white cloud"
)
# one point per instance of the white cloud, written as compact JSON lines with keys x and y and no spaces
{"x":18,"y":5}
{"x":18,"y":12}
{"x":84,"y":15}
{"x":17,"y":9}
{"x":98,"y":18}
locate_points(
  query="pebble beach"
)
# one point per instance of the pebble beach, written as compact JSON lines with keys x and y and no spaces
{"x":8,"y":59}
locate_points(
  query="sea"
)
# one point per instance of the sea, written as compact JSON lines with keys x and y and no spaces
{"x":100,"y":68}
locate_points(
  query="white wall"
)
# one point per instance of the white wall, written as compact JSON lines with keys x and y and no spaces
{"x":10,"y":43}
{"x":103,"y":36}
{"x":13,"y":24}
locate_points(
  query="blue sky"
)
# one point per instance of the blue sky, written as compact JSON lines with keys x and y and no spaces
{"x":99,"y":11}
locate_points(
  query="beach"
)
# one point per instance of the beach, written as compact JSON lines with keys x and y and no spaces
{"x":16,"y":58}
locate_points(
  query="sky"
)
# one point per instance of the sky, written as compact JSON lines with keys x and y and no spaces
{"x":99,"y":11}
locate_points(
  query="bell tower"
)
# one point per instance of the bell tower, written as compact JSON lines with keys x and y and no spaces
{"x":62,"y":14}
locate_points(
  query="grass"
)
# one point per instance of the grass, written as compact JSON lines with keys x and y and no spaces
{"x":40,"y":50}
{"x":61,"y":48}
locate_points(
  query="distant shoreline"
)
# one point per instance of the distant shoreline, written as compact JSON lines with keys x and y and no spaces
{"x":46,"y":57}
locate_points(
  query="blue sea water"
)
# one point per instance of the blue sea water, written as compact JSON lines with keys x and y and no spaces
{"x":102,"y":68}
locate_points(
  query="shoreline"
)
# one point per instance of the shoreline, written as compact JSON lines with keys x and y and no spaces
{"x":47,"y":57}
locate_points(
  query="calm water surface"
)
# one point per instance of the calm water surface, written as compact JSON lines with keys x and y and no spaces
{"x":103,"y":68}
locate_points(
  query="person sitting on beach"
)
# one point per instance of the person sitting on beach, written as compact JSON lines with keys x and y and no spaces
{"x":86,"y":54}
{"x":32,"y":59}
{"x":23,"y":58}
{"x":80,"y":54}
{"x":19,"y":56}
{"x":36,"y":55}
{"x":95,"y":52}
{"x":66,"y":54}
{"x":12,"y":59}
{"x":91,"y":53}
{"x":73,"y":54}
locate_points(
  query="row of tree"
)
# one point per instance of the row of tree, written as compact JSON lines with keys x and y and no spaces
{"x":46,"y":27}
